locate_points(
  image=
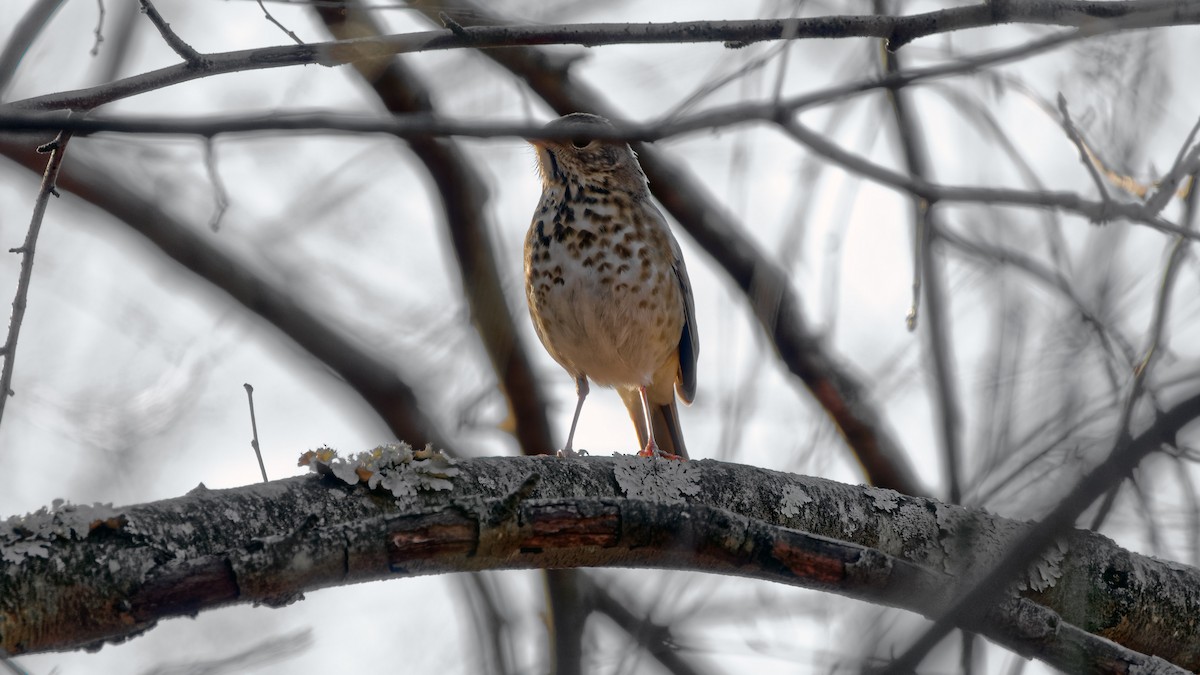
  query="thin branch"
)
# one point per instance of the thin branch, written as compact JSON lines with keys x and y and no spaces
{"x":254,"y":429}
{"x":57,"y":148}
{"x":285,"y":29}
{"x":1084,"y":155}
{"x":1139,"y":14}
{"x":220,"y":194}
{"x":417,"y":126}
{"x":1187,"y":163}
{"x":464,"y":198}
{"x":190,"y":56}
{"x":926,"y":269}
{"x":933,"y":192}
{"x":99,"y":31}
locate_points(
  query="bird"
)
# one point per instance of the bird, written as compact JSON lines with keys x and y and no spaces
{"x":607,"y":287}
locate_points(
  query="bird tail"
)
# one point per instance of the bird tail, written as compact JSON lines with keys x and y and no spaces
{"x":668,"y":434}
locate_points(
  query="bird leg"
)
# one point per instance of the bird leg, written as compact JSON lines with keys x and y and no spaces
{"x":581,"y":390}
{"x":651,"y":449}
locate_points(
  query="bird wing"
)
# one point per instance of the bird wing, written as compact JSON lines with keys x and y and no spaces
{"x":689,"y":341}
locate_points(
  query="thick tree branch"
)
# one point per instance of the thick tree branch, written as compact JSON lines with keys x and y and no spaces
{"x":268,"y":543}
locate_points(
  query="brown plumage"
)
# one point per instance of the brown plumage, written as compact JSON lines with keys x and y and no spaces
{"x":607,"y":288}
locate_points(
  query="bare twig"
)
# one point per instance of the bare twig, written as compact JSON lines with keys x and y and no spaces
{"x":190,"y":56}
{"x":1084,"y":155}
{"x":99,"y":32}
{"x":220,"y":194}
{"x":56,"y":148}
{"x":283,"y":28}
{"x":254,"y":429}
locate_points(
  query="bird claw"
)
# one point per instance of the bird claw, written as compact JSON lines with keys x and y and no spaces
{"x":652,"y":450}
{"x":568,"y":453}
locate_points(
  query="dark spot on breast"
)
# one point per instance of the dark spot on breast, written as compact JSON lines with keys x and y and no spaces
{"x":623,"y":251}
{"x":622,"y":268}
{"x":586,"y":239}
{"x":604,"y":266}
{"x":561,"y":232}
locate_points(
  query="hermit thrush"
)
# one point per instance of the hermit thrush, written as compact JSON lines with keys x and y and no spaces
{"x":607,"y":288}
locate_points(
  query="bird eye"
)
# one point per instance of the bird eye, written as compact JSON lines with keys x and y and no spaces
{"x":581,"y":143}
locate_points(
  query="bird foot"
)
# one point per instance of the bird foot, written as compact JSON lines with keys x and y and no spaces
{"x":652,"y":450}
{"x":567,"y":452}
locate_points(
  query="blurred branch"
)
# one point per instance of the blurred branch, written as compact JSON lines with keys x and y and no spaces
{"x":57,"y":148}
{"x":99,"y":31}
{"x":373,"y":379}
{"x":491,"y":626}
{"x":1084,"y":155}
{"x":927,"y":275}
{"x":1049,"y":277}
{"x":24,"y":33}
{"x":525,"y":512}
{"x":655,"y":638}
{"x":1108,"y":17}
{"x":464,"y":200}
{"x":971,"y":604}
{"x":268,"y":651}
